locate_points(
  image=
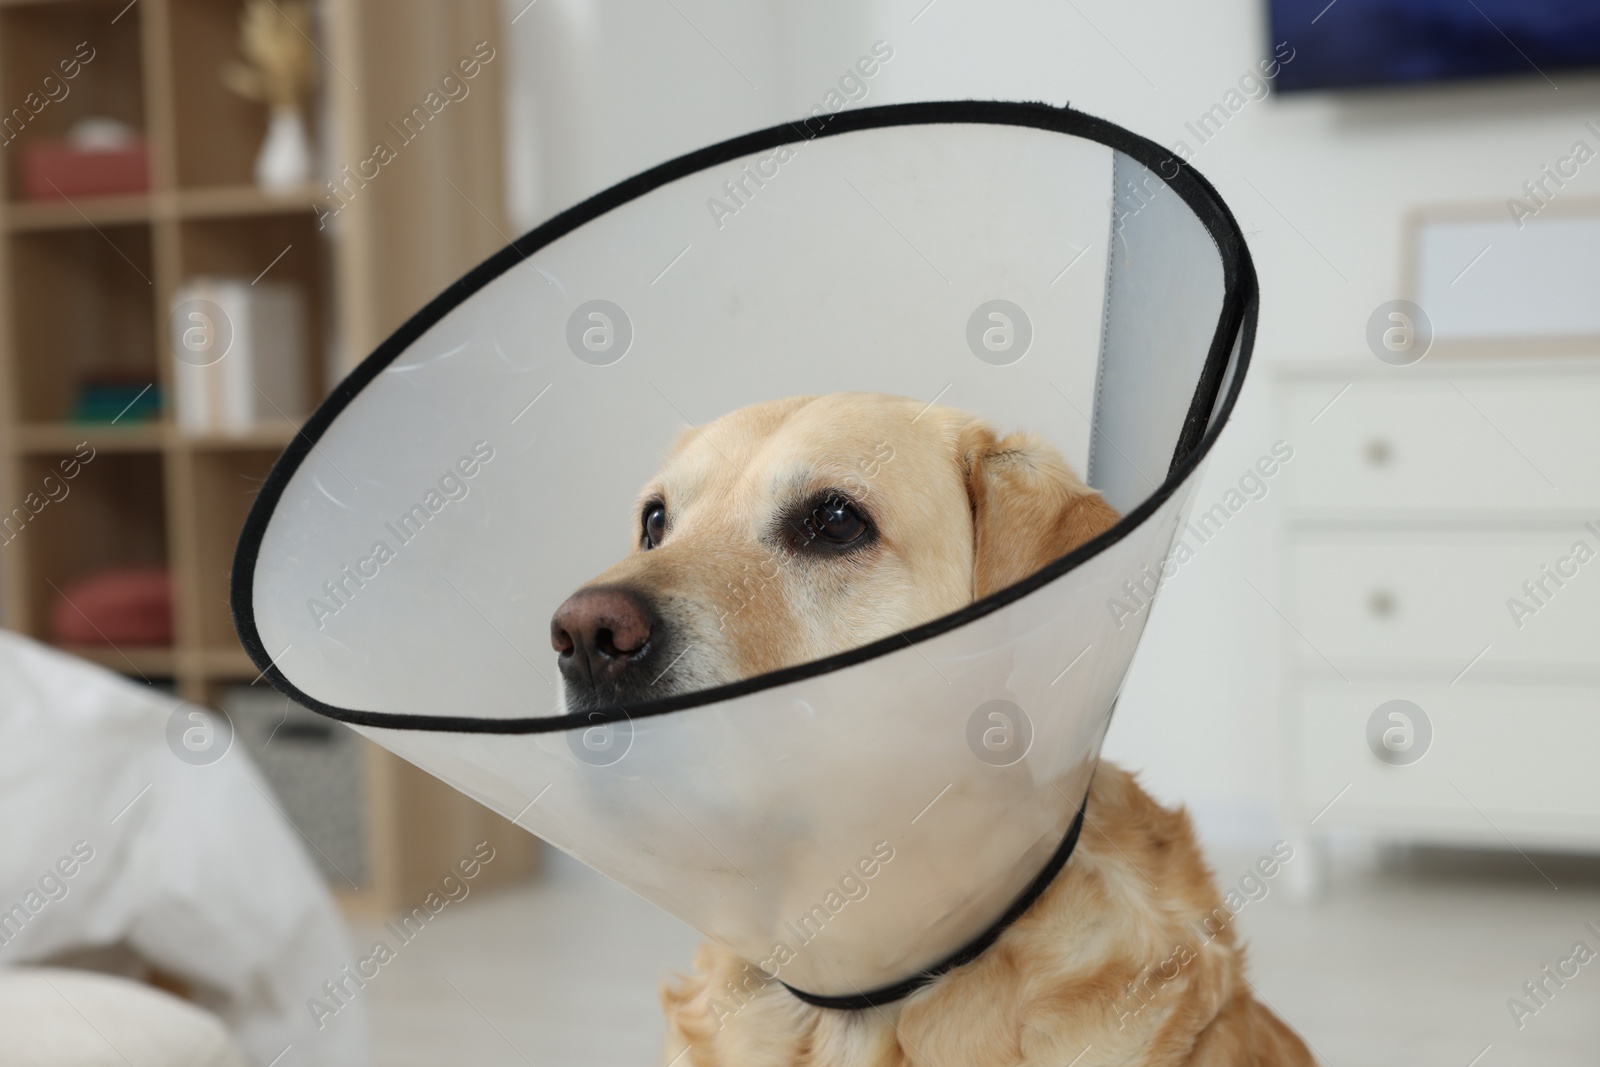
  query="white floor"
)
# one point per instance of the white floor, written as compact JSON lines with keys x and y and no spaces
{"x":561,"y":972}
{"x":1406,"y":962}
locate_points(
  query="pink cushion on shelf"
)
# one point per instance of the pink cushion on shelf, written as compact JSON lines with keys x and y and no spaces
{"x":52,"y":169}
{"x":115,"y":606}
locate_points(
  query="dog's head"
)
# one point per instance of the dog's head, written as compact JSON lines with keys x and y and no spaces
{"x":788,"y":531}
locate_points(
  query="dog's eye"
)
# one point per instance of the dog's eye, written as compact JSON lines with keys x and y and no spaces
{"x":655,"y":525}
{"x":838,"y":522}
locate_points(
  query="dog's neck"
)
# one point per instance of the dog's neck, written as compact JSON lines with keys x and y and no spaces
{"x":1129,"y":957}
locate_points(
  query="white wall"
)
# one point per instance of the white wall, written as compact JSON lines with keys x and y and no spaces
{"x":603,"y":90}
{"x":1320,"y":184}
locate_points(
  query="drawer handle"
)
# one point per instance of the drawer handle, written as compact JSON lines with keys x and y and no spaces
{"x":1379,"y":452}
{"x":1381,"y":603}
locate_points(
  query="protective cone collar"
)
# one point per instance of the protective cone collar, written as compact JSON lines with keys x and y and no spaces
{"x":848,"y":825}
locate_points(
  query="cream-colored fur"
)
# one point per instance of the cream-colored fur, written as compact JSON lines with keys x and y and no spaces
{"x":1129,"y":957}
{"x":744,"y":604}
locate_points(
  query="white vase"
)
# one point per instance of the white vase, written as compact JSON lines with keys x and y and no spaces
{"x":285,"y":158}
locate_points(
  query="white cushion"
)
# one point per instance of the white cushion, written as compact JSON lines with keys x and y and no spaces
{"x":61,"y":1018}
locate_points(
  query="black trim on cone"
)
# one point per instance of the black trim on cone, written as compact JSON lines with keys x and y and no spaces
{"x":967,"y":953}
{"x":1236,"y":322}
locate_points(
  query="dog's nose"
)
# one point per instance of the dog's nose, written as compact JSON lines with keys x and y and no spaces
{"x":601,"y":636}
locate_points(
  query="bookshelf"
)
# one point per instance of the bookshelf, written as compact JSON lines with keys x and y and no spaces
{"x":85,"y":288}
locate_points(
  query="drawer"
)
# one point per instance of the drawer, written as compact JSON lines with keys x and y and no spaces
{"x":1524,"y":755}
{"x":1387,"y":445}
{"x":1363,"y":599}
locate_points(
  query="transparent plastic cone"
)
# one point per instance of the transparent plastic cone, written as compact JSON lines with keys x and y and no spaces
{"x":848,"y":823}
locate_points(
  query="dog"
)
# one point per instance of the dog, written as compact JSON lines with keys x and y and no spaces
{"x":822,"y":523}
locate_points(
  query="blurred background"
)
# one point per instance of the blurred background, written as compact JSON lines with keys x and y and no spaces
{"x":1384,"y":653}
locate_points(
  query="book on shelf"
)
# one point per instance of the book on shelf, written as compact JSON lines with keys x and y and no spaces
{"x":238,"y":355}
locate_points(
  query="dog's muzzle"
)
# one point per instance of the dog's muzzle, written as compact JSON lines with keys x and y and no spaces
{"x":609,"y":642}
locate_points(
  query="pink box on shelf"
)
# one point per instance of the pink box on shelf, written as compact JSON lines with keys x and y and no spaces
{"x":55,"y":168}
{"x":127,"y":605}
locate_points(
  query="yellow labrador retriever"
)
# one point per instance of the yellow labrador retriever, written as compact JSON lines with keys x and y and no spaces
{"x":791,"y":530}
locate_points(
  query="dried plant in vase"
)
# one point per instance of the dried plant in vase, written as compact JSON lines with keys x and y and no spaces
{"x":275,"y":41}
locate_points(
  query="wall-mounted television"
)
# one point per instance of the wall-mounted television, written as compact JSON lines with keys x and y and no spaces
{"x":1350,"y":43}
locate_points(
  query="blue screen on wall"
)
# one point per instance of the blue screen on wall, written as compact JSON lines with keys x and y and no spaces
{"x":1374,"y":42}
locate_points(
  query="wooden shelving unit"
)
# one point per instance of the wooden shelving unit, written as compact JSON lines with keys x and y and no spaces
{"x":86,"y":284}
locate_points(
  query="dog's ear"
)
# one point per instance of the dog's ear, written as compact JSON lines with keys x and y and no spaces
{"x":1028,"y":507}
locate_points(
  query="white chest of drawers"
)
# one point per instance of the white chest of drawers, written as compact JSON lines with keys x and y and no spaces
{"x":1440,"y":544}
